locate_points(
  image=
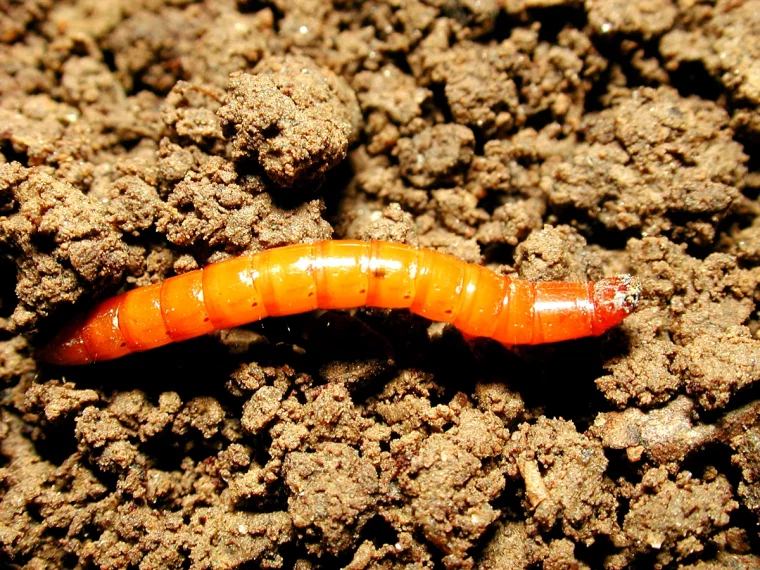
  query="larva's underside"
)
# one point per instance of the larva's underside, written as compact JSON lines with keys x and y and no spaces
{"x":340,"y":275}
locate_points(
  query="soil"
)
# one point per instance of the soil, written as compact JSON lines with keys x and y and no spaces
{"x":551,"y":139}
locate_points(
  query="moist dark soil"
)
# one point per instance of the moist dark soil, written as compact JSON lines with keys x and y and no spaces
{"x":549,"y":139}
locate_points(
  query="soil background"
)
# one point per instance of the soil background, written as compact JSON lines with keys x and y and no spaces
{"x":549,"y":139}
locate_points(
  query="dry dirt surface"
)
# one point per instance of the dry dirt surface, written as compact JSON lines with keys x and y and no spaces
{"x":551,"y":139}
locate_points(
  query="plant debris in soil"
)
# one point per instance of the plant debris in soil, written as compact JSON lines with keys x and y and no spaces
{"x":550,"y":139}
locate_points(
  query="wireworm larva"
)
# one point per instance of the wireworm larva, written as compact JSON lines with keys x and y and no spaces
{"x":342,"y":274}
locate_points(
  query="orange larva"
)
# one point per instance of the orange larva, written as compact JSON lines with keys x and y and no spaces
{"x":340,"y":275}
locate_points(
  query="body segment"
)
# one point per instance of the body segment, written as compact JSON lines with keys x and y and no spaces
{"x":340,"y":274}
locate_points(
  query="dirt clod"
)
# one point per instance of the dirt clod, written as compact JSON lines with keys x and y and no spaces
{"x":295,"y":118}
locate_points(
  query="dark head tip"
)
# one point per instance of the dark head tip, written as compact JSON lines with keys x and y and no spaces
{"x":630,"y":293}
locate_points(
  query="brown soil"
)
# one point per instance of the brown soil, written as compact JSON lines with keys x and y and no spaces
{"x":554,"y":139}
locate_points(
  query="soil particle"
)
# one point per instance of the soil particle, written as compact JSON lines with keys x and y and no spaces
{"x":694,"y":321}
{"x":329,"y":415}
{"x":133,"y":205}
{"x":478,"y":88}
{"x":511,"y":222}
{"x":14,"y":362}
{"x":17,"y":16}
{"x":109,"y":530}
{"x":295,"y":118}
{"x":87,"y":81}
{"x":129,"y":531}
{"x":746,"y":246}
{"x":512,"y":548}
{"x":498,"y":399}
{"x":261,"y":409}
{"x":203,"y":413}
{"x":377,"y":179}
{"x":35,"y":126}
{"x":561,"y":554}
{"x":38,"y":497}
{"x":437,"y":156}
{"x":223,"y":539}
{"x":563,"y":473}
{"x":415,"y":413}
{"x":725,"y":42}
{"x":676,"y":517}
{"x":664,"y":435}
{"x":557,"y":254}
{"x":451,"y":480}
{"x":133,"y":410}
{"x":393,"y":105}
{"x":643,"y":17}
{"x":333,"y":492}
{"x":454,"y":519}
{"x":250,"y":377}
{"x":96,"y":429}
{"x":190,"y":111}
{"x":727,"y":560}
{"x":459,"y":212}
{"x":202,"y":42}
{"x":743,"y":426}
{"x":212,"y":205}
{"x":480,"y":80}
{"x":714,"y":368}
{"x":57,"y":399}
{"x":698,"y":175}
{"x":406,"y":552}
{"x":62,"y":238}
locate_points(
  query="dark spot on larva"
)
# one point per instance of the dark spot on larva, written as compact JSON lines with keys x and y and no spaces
{"x":448,"y":311}
{"x":362,"y":291}
{"x":379,"y":272}
{"x":122,"y":345}
{"x":206,"y":320}
{"x":407,"y":296}
{"x":255,"y":304}
{"x":311,"y":293}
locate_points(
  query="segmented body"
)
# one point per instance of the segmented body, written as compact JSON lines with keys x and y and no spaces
{"x":338,"y":275}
